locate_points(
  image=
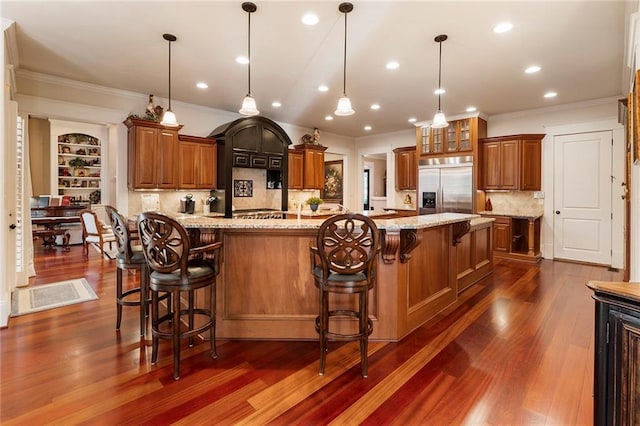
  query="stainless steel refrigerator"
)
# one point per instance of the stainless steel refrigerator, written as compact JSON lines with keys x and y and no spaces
{"x":445,"y":185}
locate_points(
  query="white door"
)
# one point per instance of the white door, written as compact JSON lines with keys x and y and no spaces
{"x":582,"y":197}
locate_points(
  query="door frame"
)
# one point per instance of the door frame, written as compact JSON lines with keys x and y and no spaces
{"x":617,"y":190}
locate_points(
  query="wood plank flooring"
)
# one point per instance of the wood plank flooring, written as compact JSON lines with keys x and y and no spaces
{"x":519,"y":350}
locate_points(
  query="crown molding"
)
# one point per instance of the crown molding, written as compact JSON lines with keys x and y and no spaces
{"x":555,"y":108}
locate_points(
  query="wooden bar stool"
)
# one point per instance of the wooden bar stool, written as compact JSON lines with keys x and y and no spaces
{"x":129,"y":257}
{"x":343,"y":261}
{"x":178,"y":268}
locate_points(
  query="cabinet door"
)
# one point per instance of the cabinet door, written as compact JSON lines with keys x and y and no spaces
{"x":187,"y":169}
{"x":623,"y":393}
{"x":452,"y":136}
{"x":530,"y":165}
{"x":502,"y":235}
{"x":207,"y":162}
{"x":313,"y":169}
{"x":142,"y":152}
{"x":167,"y":158}
{"x":464,"y":135}
{"x":296,"y":177}
{"x":437,"y":140}
{"x":491,"y":165}
{"x":509,"y":164}
{"x":406,"y":170}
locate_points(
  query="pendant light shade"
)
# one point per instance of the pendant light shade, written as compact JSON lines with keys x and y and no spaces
{"x":248,"y":103}
{"x":439,"y":120}
{"x":169,"y":118}
{"x":344,"y":103}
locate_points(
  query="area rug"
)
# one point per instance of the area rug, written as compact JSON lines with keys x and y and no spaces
{"x":49,"y":296}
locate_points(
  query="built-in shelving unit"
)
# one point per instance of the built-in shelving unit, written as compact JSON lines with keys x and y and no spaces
{"x":79,"y":166}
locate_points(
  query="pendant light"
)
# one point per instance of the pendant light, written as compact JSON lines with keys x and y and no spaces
{"x":169,"y":118}
{"x":248,"y":103}
{"x":439,"y":120}
{"x":344,"y":104}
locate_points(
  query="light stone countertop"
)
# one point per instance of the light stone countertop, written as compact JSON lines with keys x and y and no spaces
{"x":413,"y":222}
{"x":323,"y":213}
{"x":517,"y":214}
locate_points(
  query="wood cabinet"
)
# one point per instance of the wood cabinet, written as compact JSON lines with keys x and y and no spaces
{"x":306,"y":167}
{"x":296,"y":169}
{"x":461,"y":136}
{"x":511,"y":162}
{"x":617,"y":353}
{"x":474,"y":254}
{"x":517,"y":238}
{"x":197,"y":162}
{"x":153,"y":155}
{"x":406,"y":168}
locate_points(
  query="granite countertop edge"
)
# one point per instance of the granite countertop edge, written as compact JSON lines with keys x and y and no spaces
{"x":396,"y":224}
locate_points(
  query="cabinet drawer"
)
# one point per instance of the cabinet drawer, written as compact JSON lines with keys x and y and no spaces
{"x":240,"y":159}
{"x":275,"y":162}
{"x":258,"y":161}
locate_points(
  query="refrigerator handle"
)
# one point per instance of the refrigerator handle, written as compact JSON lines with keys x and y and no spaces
{"x":440,"y":205}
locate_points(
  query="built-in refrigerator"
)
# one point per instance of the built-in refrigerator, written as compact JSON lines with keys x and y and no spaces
{"x":445,"y":185}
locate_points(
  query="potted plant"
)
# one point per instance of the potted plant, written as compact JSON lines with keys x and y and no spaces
{"x":79,"y":166}
{"x":314,"y":202}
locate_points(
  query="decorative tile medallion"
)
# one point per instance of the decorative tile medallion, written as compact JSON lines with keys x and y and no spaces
{"x":242,"y":188}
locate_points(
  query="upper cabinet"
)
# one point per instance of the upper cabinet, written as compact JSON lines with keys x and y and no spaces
{"x":197,"y":162}
{"x":406,"y":168}
{"x":306,"y":161}
{"x":460,"y":137}
{"x":153,"y":155}
{"x":511,"y":162}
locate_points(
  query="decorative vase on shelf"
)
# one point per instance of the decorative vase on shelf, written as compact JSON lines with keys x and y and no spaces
{"x":313,"y":207}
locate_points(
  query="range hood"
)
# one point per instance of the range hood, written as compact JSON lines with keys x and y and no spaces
{"x":251,"y":142}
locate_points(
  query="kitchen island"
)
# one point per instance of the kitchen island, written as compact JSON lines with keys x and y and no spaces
{"x":266,"y":291}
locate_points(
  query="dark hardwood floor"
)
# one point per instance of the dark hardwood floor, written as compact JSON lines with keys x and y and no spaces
{"x":519,"y":350}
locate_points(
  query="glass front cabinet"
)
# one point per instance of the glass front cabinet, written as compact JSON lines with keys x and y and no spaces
{"x":460,"y":137}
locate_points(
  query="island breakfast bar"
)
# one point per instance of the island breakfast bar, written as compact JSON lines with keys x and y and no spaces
{"x":266,"y":291}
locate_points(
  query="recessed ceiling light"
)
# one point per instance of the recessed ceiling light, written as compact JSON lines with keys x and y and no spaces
{"x":202,"y":85}
{"x":375,"y":106}
{"x":328,"y":117}
{"x":310,"y":19}
{"x":532,"y":69}
{"x":502,"y":27}
{"x":412,"y":120}
{"x":471,"y":109}
{"x":392,"y":65}
{"x":242,"y":60}
{"x":276,"y":104}
{"x":550,"y":95}
{"x":367,"y":128}
{"x":323,"y":88}
{"x":439,"y":91}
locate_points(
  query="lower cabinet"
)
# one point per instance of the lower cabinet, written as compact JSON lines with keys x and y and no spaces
{"x":617,"y":353}
{"x":517,"y":238}
{"x":474,"y":255}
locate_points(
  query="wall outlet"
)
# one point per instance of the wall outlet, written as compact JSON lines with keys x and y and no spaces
{"x":539,"y":195}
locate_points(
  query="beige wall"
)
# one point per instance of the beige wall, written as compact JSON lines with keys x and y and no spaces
{"x":40,"y":155}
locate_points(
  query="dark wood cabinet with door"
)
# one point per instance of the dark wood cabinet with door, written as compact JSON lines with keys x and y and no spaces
{"x":511,"y":162}
{"x":153,"y":155}
{"x":617,"y":353}
{"x":197,"y":162}
{"x":306,"y":161}
{"x":406,"y":168}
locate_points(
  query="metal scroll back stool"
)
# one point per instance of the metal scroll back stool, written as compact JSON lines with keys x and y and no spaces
{"x":343,"y":261}
{"x":129,"y":257}
{"x":178,"y":268}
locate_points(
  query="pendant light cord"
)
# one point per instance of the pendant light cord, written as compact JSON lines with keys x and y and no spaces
{"x":344,"y":63}
{"x":249,"y":54}
{"x":169,"y":75}
{"x":439,"y":75}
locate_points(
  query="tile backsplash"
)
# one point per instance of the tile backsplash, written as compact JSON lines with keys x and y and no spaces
{"x":515,"y":202}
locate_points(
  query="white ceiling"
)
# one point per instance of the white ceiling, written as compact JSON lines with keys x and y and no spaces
{"x":578,"y":44}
